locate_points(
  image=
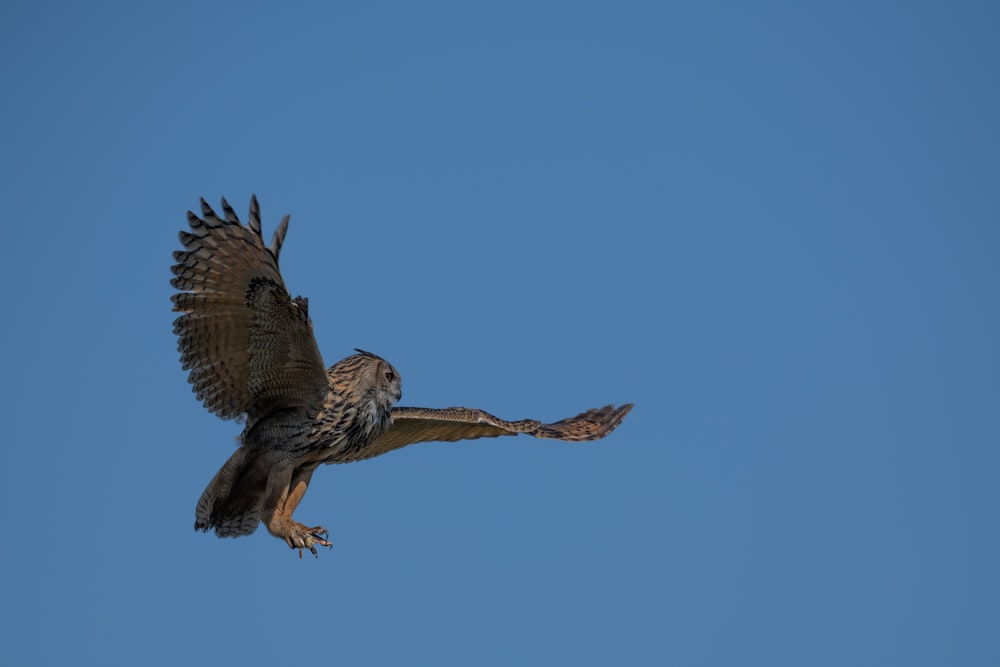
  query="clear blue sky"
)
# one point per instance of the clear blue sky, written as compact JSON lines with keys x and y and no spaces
{"x":772,"y":226}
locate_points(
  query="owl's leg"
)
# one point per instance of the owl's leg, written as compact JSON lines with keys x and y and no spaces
{"x":285,"y":488}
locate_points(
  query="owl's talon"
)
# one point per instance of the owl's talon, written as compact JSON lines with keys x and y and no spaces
{"x":302,"y":537}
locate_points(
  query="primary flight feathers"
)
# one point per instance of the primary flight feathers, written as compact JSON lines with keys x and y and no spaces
{"x":251,"y":353}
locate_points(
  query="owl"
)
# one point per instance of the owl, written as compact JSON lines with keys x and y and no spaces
{"x":251,"y":355}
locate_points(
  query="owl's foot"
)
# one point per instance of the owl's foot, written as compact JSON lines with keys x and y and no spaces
{"x":299,"y":536}
{"x":309,"y":538}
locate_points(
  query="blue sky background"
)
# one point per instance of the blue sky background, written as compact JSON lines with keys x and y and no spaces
{"x":771,"y":226}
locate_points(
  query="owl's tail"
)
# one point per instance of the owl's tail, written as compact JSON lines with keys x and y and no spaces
{"x":231,"y":505}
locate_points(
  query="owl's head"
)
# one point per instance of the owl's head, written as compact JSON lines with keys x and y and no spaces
{"x":380,"y":378}
{"x":367,"y":378}
{"x":370,"y":385}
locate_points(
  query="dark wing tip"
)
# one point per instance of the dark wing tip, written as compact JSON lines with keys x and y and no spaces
{"x":590,"y":425}
{"x":230,"y":214}
{"x":278,"y":238}
{"x":206,"y":209}
{"x":255,"y":217}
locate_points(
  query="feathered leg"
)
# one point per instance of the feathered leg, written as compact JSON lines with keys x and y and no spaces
{"x":286,"y":486}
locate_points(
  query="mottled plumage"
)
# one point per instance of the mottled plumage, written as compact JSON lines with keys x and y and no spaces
{"x":251,"y":353}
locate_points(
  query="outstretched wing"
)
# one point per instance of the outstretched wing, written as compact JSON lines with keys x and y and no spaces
{"x":411,"y":425}
{"x":248,"y":344}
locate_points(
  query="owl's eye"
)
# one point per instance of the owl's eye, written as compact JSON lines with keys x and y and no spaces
{"x":389,"y":376}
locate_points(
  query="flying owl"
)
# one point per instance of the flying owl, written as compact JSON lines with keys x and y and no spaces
{"x":251,"y":353}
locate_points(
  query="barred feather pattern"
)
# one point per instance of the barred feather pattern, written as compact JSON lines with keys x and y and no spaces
{"x":363,"y":389}
{"x":413,"y":425}
{"x":248,"y":345}
{"x":250,"y":352}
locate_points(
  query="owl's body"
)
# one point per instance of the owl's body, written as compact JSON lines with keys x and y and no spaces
{"x":251,"y":353}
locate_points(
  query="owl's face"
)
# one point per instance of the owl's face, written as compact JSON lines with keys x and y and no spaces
{"x":388,"y":384}
{"x":367,"y":377}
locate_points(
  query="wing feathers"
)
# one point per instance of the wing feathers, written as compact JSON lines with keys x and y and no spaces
{"x":229,"y":213}
{"x":248,"y":345}
{"x":255,"y":217}
{"x":412,"y":425}
{"x":279,"y":237}
{"x":590,"y":425}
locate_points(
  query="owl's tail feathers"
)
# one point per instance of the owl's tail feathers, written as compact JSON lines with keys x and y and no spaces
{"x":231,"y":504}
